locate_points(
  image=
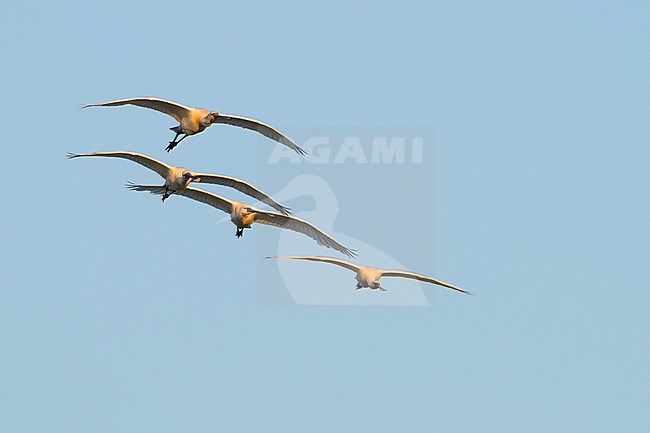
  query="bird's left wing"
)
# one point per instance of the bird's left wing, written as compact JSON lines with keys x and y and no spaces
{"x":207,"y":197}
{"x":301,"y":226}
{"x":261,"y":127}
{"x":241,"y":186}
{"x":420,"y":277}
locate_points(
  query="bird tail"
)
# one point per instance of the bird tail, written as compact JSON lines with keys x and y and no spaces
{"x":153,"y":189}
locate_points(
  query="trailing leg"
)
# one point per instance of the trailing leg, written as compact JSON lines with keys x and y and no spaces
{"x":174,"y":143}
{"x":166,"y":194}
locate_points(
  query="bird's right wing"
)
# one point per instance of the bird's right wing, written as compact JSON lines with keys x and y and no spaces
{"x":340,"y":262}
{"x":207,"y":197}
{"x":241,"y":186}
{"x":174,"y":109}
{"x":200,"y":195}
{"x":153,"y":164}
{"x":152,"y":189}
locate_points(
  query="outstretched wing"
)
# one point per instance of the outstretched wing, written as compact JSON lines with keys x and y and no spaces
{"x":241,"y":186}
{"x":152,"y":189}
{"x":301,"y":226}
{"x":206,"y":197}
{"x":340,"y":262}
{"x":153,"y":164}
{"x":174,"y":109}
{"x":262,"y":128}
{"x":420,"y":277}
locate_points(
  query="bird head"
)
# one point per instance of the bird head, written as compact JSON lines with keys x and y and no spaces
{"x":212,"y":116}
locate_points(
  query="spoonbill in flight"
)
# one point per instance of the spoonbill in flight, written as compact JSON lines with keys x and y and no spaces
{"x":244,"y":215}
{"x":193,"y":120}
{"x":368,"y":276}
{"x":177,"y":178}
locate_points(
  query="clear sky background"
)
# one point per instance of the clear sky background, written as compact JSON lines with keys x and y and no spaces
{"x":120,"y":314}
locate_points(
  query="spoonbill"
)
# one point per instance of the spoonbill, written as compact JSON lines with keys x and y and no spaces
{"x":323,"y":209}
{"x":368,"y":276}
{"x":194,"y":120}
{"x":177,"y":178}
{"x":244,"y":215}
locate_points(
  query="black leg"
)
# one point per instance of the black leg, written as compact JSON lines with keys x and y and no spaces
{"x":240,"y":232}
{"x":174,"y":143}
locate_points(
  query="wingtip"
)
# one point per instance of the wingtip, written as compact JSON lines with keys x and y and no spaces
{"x":281,"y":257}
{"x":71,"y":155}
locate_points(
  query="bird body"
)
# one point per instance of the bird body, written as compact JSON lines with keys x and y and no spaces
{"x":196,"y":120}
{"x":178,"y":178}
{"x":243,"y":216}
{"x":368,"y":276}
{"x":193,"y":120}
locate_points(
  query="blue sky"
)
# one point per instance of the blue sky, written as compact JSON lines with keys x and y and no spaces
{"x":119,"y":313}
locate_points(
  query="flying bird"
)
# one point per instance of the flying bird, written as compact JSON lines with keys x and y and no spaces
{"x":368,"y":276}
{"x":194,"y":120}
{"x":177,"y":178}
{"x":244,"y":215}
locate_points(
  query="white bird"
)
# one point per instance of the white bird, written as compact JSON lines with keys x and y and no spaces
{"x":322,"y":198}
{"x":177,"y":178}
{"x":194,"y":120}
{"x":244,"y":215}
{"x":368,"y":276}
